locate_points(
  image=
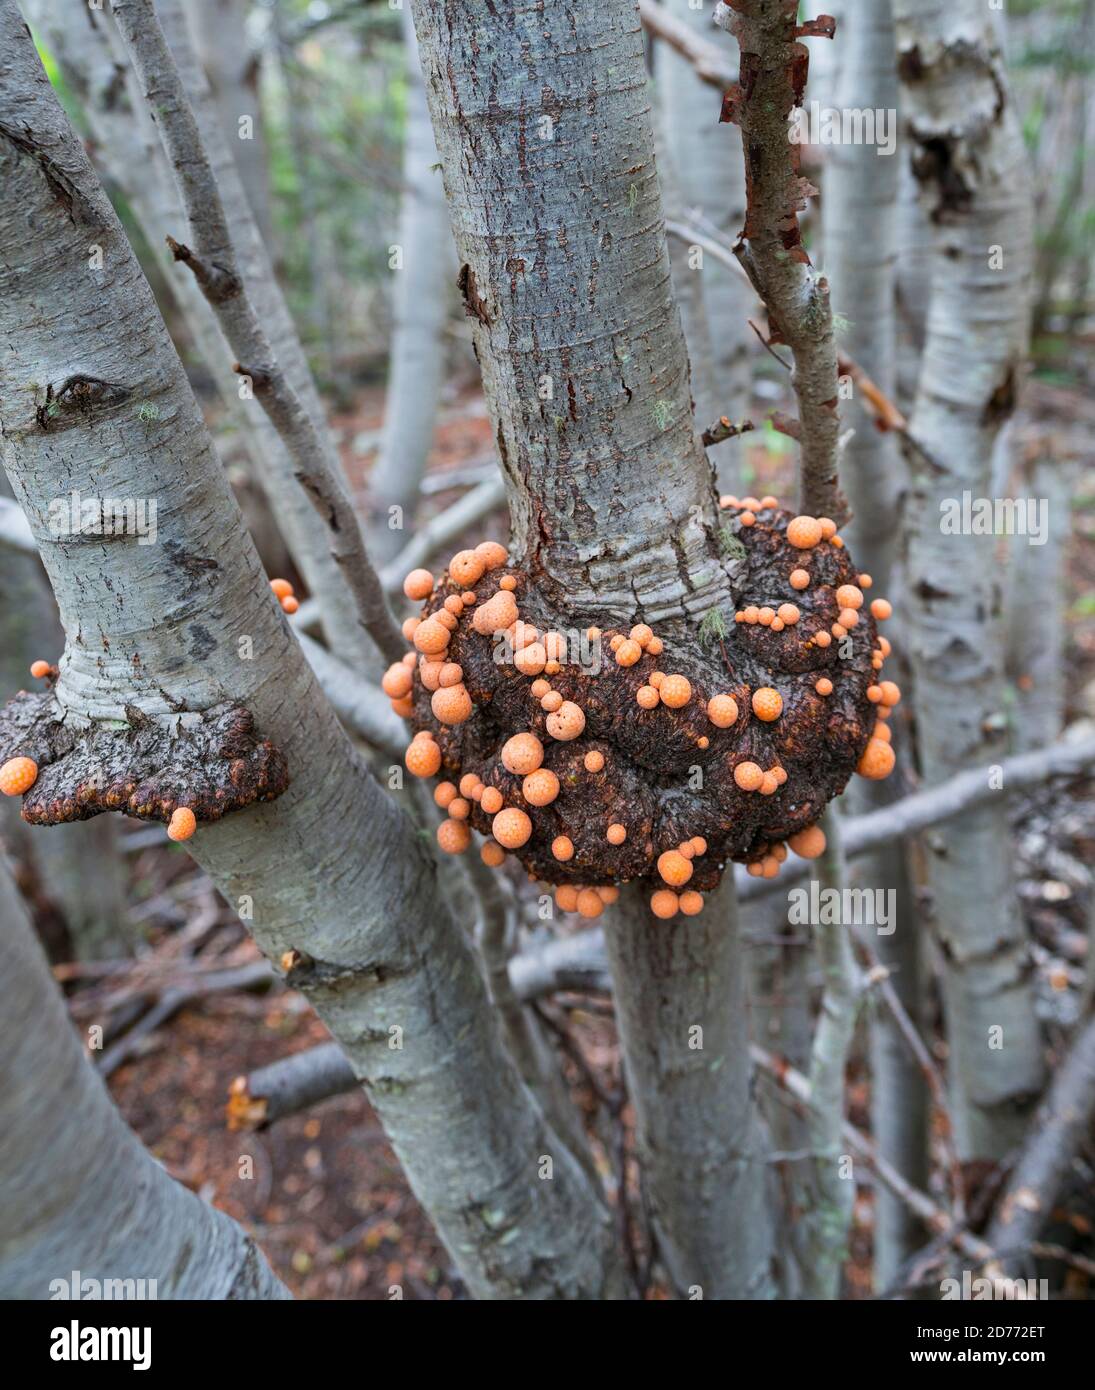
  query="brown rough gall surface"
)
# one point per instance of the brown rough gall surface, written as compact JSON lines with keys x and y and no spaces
{"x":657,"y":780}
{"x":213,"y":762}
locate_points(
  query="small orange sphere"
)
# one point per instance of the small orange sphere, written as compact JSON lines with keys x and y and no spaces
{"x":429,"y":673}
{"x":450,"y":674}
{"x":609,"y":893}
{"x":182,"y":824}
{"x":18,"y":775}
{"x":748,"y":519}
{"x":511,"y":827}
{"x":492,"y":854}
{"x":641,"y":633}
{"x":822,"y":639}
{"x":722,"y":710}
{"x":800,"y":579}
{"x":566,"y":897}
{"x":468,"y":783}
{"x":748,"y":776}
{"x":466,"y":568}
{"x":493,"y":555}
{"x":423,"y":758}
{"x":655,"y":646}
{"x":530,"y":660}
{"x":881,"y":609}
{"x":469,"y":598}
{"x":808,"y":843}
{"x":454,"y":604}
{"x":444,"y":793}
{"x":750,"y":614}
{"x":676,"y":691}
{"x":767,"y":703}
{"x":590,"y":903}
{"x":616,"y":834}
{"x":289,"y":605}
{"x":282,"y":588}
{"x":824,"y":686}
{"x":521,"y":754}
{"x":864,"y":581}
{"x":647,"y":697}
{"x":699,"y":844}
{"x":664,"y":903}
{"x":446,"y":619}
{"x":451,"y":705}
{"x":410,"y":627}
{"x":874,"y":694}
{"x":496,"y":615}
{"x":540,"y":788}
{"x":567,"y":722}
{"x":882,"y":731}
{"x":453,"y":836}
{"x":418,"y":584}
{"x":551,"y":701}
{"x":38,"y":669}
{"x":397,"y":681}
{"x":404,"y":706}
{"x":540,"y":688}
{"x":628,"y":652}
{"x":788,"y":613}
{"x":804,"y":532}
{"x":594,"y":760}
{"x":691,"y":902}
{"x":778,"y":625}
{"x":562,"y":847}
{"x":491,"y":800}
{"x":884,"y":646}
{"x":848,"y":596}
{"x":508,"y":583}
{"x":848,"y":618}
{"x":891,"y":693}
{"x":838,"y":630}
{"x":828,"y":527}
{"x":431,"y":637}
{"x":703,"y":741}
{"x":877,"y":760}
{"x":769,"y":784}
{"x":459,"y":808}
{"x":674,"y":868}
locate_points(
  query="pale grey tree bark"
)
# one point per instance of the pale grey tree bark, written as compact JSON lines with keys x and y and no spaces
{"x":710,"y":177}
{"x":969,"y":159}
{"x":80,"y":1190}
{"x":232,"y":66}
{"x":680,"y":1009}
{"x":555,"y":207}
{"x":416,"y":358}
{"x":860,"y":212}
{"x":331,"y":870}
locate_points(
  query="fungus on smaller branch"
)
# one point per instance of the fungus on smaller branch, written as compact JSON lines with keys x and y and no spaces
{"x":207,"y":764}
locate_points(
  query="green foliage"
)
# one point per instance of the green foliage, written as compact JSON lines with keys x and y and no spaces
{"x":713,"y":628}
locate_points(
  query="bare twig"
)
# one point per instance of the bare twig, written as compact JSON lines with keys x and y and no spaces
{"x":723,"y":429}
{"x":212,"y":260}
{"x":773,"y":70}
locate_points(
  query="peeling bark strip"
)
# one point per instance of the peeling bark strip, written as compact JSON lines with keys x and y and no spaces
{"x":80,"y":1190}
{"x":212,"y":763}
{"x":773,"y":78}
{"x":543,"y":126}
{"x":968,"y":157}
{"x":332,"y":870}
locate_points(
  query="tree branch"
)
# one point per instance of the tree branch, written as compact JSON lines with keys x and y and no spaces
{"x":706,"y":58}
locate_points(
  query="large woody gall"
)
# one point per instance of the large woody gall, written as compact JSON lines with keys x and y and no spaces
{"x":658,"y":763}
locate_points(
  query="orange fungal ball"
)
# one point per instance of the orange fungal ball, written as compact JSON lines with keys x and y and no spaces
{"x":492,"y":854}
{"x":423,"y":758}
{"x":444,"y":793}
{"x":289,"y":605}
{"x":848,"y":596}
{"x":566,"y":897}
{"x":523,"y":753}
{"x":691,"y":902}
{"x":418,"y":584}
{"x":18,"y":775}
{"x":282,"y":588}
{"x":881,"y":609}
{"x":664,"y":903}
{"x":808,"y":843}
{"x":594,"y":760}
{"x":877,"y":760}
{"x":466,"y":568}
{"x":451,"y":705}
{"x":589,"y":903}
{"x":628,"y":652}
{"x":804,"y":532}
{"x":767,"y":703}
{"x":676,"y":691}
{"x":453,"y":836}
{"x":431,"y":637}
{"x":824,"y":686}
{"x":616,"y":834}
{"x":508,"y":583}
{"x":722,"y":711}
{"x":647,"y":697}
{"x":641,"y":633}
{"x":566,"y":722}
{"x":182,"y":824}
{"x":891,"y":693}
{"x":511,"y":827}
{"x":540,"y":788}
{"x":748,"y":776}
{"x":788,"y":613}
{"x":551,"y":702}
{"x":674,"y":867}
{"x":491,"y":800}
{"x":459,"y":808}
{"x":562,"y":847}
{"x":397,"y":681}
{"x":493,"y":555}
{"x":800,"y":579}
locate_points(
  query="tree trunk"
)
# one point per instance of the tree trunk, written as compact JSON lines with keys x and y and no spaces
{"x":331,"y":870}
{"x":968,"y":156}
{"x":417,"y":355}
{"x":710,"y":176}
{"x":80,"y":1191}
{"x":861,"y":190}
{"x":680,"y":1007}
{"x":556,"y":211}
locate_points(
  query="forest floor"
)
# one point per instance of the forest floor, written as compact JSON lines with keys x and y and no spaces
{"x":327,"y":1199}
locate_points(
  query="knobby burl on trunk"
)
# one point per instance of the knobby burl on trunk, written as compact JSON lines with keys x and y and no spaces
{"x":601,"y":756}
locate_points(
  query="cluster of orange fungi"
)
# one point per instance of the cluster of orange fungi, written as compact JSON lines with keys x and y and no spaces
{"x":542,"y":655}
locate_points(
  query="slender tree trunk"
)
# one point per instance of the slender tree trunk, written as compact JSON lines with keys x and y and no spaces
{"x":231,"y":65}
{"x":861,"y":191}
{"x":417,"y":355}
{"x":80,"y":1191}
{"x":680,"y":1001}
{"x":710,"y":177}
{"x":968,"y":157}
{"x":331,"y":870}
{"x":556,"y":211}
